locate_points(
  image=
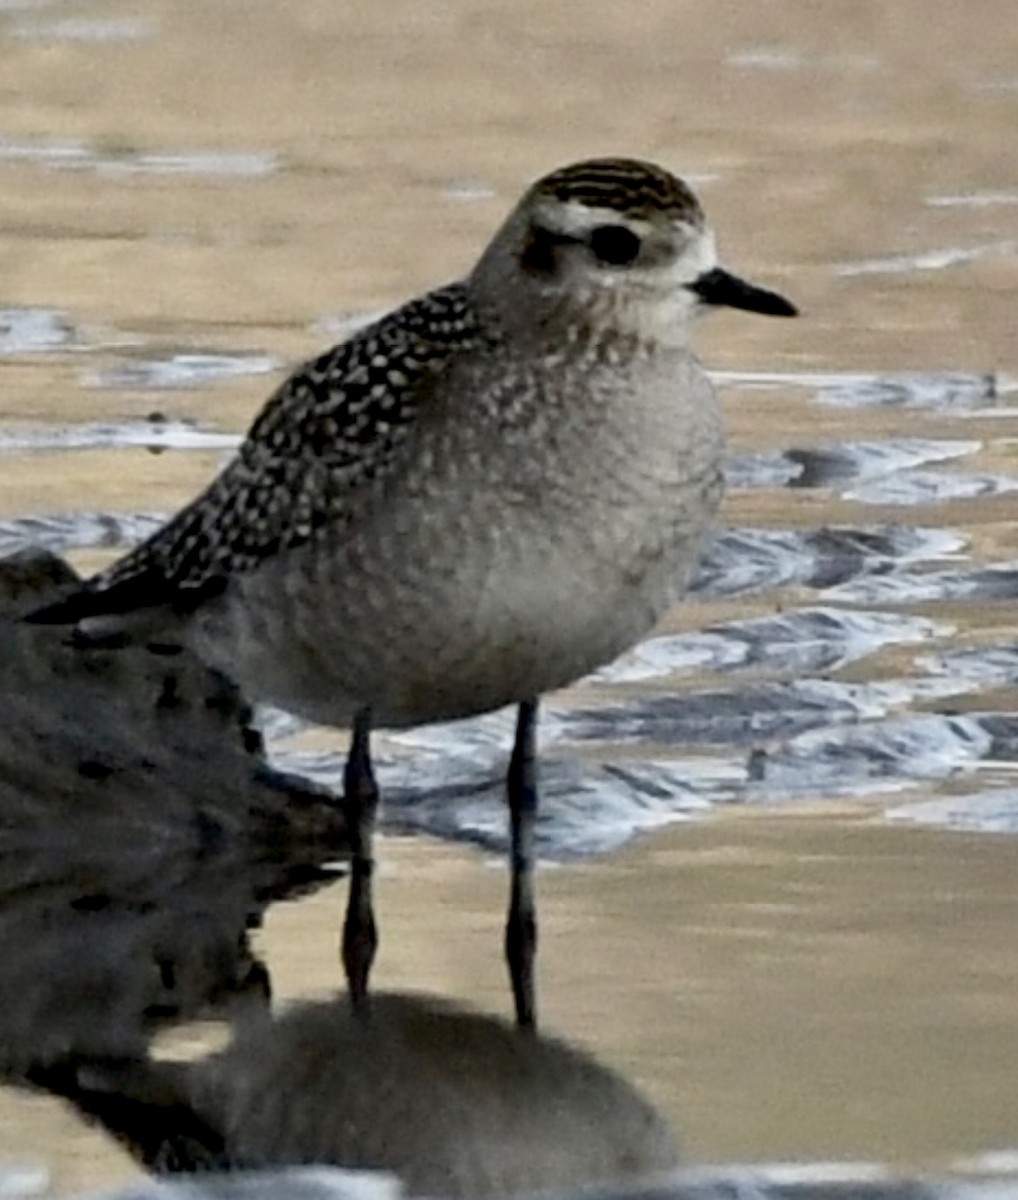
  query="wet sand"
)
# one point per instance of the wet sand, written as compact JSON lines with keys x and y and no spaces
{"x":785,"y":982}
{"x":792,"y":986}
{"x":785,"y":986}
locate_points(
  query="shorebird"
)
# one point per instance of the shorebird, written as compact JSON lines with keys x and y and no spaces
{"x":480,"y":498}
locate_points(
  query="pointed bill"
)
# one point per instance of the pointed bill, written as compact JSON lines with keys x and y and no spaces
{"x":721,"y":288}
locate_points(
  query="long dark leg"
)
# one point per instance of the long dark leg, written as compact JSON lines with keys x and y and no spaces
{"x":360,"y":937}
{"x":521,"y":926}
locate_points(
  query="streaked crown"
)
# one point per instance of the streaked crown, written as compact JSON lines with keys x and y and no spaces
{"x":628,"y":186}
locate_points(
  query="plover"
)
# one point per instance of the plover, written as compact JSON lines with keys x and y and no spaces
{"x":478,"y":499}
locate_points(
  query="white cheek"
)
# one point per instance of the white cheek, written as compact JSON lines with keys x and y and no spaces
{"x":673,"y":315}
{"x":700,"y":256}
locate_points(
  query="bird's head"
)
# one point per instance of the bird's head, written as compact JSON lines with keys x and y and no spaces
{"x":617,"y":243}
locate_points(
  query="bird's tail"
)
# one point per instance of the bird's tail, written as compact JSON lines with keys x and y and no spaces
{"x":92,"y":600}
{"x":132,"y":606}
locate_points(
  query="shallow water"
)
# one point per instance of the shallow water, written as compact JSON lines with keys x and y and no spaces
{"x":819,"y":958}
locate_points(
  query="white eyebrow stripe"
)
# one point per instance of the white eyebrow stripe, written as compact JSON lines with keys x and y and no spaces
{"x":573,"y":219}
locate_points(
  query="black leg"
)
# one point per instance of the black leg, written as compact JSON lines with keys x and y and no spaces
{"x":521,"y":926}
{"x":360,"y":937}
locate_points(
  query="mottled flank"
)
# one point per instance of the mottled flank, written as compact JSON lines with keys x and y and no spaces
{"x":330,"y":428}
{"x":625,"y":185}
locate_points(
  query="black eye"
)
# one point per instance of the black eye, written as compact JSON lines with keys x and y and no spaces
{"x":615,"y":244}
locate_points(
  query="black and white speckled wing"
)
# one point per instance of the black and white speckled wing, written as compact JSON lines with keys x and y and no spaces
{"x":332,"y":427}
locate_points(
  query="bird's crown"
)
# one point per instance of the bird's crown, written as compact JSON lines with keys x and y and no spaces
{"x":628,"y":186}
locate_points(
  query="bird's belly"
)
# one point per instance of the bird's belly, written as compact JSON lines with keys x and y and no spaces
{"x":416,"y":651}
{"x":477,"y":611}
{"x":461,"y":654}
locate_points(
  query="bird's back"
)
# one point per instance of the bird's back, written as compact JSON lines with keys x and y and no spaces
{"x":330,"y":432}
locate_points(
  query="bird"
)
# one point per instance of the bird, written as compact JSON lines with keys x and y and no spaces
{"x":477,"y":499}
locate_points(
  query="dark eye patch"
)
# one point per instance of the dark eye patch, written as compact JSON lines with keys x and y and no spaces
{"x":615,"y":245}
{"x":540,"y":251}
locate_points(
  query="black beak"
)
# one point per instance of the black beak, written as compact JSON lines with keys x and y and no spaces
{"x":718,"y":287}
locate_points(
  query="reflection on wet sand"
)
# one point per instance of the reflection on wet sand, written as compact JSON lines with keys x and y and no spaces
{"x":451,"y":1102}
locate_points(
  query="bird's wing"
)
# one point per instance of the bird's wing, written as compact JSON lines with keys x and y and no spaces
{"x":331,"y":428}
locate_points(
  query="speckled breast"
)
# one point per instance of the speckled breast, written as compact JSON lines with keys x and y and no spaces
{"x":474,"y":582}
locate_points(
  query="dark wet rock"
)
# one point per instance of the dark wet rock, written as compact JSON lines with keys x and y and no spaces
{"x":831,"y":466}
{"x":139,"y":840}
{"x":31,"y":573}
{"x":140,"y":1104}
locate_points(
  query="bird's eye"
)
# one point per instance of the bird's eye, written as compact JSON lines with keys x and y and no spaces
{"x":615,"y":245}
